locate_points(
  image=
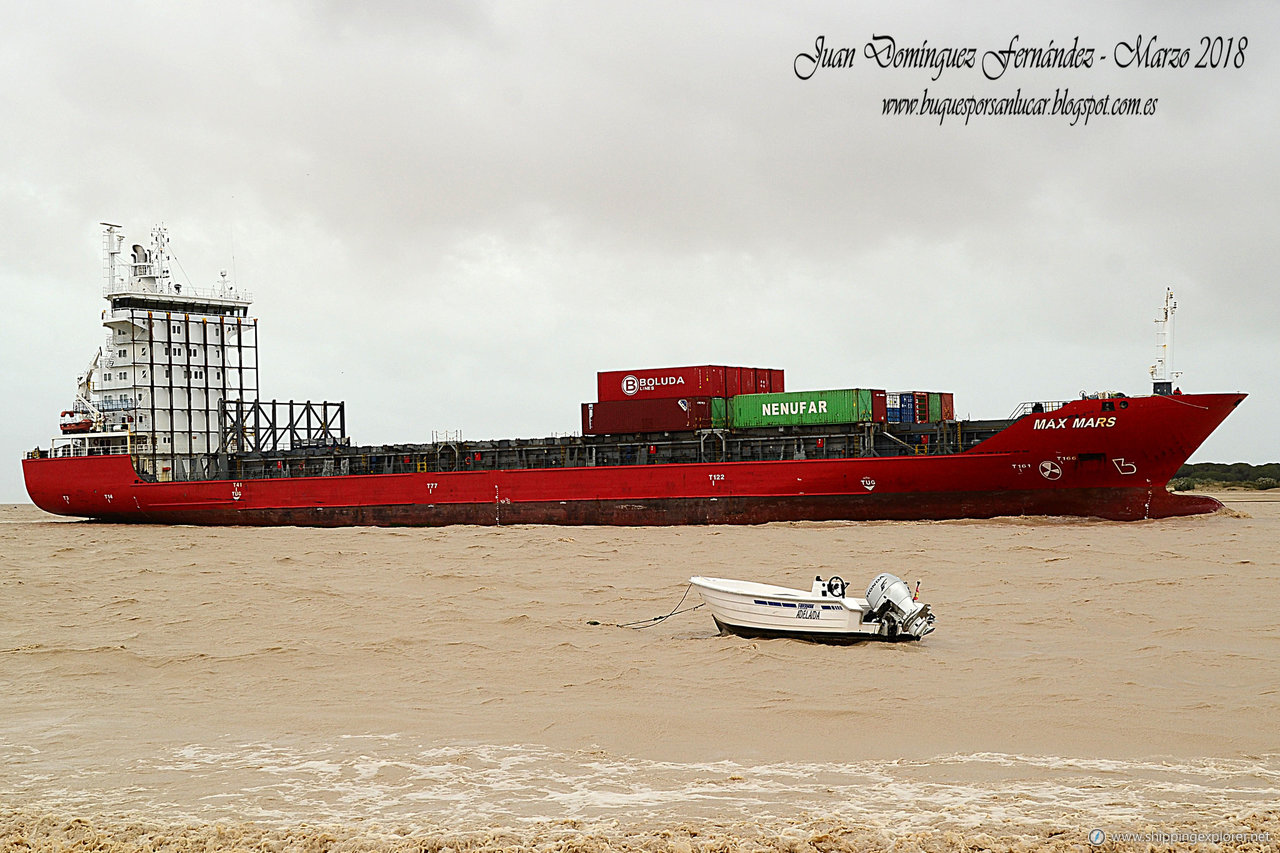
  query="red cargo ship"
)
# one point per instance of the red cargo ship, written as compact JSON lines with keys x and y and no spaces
{"x":179,"y":436}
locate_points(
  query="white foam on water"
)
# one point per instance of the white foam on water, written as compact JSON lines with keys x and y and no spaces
{"x":479,"y":785}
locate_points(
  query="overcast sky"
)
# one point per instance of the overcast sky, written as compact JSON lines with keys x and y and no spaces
{"x":451,"y":215}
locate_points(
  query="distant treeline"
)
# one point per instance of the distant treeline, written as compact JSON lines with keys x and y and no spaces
{"x":1240,"y":474}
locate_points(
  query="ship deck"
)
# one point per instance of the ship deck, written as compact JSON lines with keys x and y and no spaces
{"x":855,"y":441}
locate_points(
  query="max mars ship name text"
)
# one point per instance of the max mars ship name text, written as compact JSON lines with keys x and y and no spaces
{"x":1061,"y":423}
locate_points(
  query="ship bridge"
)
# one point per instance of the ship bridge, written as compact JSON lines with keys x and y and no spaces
{"x":144,"y":279}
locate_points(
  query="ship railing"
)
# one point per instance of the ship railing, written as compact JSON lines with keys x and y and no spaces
{"x":1037,"y":407}
{"x":68,"y":448}
{"x":87,"y":444}
{"x":116,"y":405}
{"x":229,"y":293}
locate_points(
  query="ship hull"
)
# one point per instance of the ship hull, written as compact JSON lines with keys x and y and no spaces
{"x":1081,"y":460}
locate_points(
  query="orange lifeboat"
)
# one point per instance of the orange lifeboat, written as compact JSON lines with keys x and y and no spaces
{"x":72,"y":422}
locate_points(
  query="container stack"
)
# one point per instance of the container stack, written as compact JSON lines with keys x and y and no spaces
{"x":920,"y":407}
{"x":684,"y":399}
{"x":671,"y":399}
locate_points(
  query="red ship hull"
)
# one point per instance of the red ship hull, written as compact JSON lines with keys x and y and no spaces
{"x":1080,"y":460}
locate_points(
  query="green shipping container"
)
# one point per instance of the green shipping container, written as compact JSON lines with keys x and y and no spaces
{"x":719,"y":413}
{"x":800,"y":408}
{"x":935,"y":407}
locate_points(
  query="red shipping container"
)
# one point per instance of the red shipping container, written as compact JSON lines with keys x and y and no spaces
{"x":922,"y":406}
{"x":760,"y":380}
{"x":734,"y":377}
{"x":948,"y":406}
{"x":661,"y":414}
{"x":677,"y":382}
{"x":660,"y":383}
{"x":879,"y":407}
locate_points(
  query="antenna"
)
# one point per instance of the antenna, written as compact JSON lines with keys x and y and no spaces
{"x":1162,"y":372}
{"x":111,"y":241}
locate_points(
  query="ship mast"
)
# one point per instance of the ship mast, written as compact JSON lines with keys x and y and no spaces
{"x":1162,"y":372}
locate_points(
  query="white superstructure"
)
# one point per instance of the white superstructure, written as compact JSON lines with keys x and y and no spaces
{"x":172,"y":354}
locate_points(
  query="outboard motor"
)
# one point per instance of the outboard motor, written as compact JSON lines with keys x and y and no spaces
{"x":892,"y":603}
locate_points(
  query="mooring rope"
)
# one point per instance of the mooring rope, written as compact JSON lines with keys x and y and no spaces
{"x":649,"y":623}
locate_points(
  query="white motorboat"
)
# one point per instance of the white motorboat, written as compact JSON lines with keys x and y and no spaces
{"x":822,"y":614}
